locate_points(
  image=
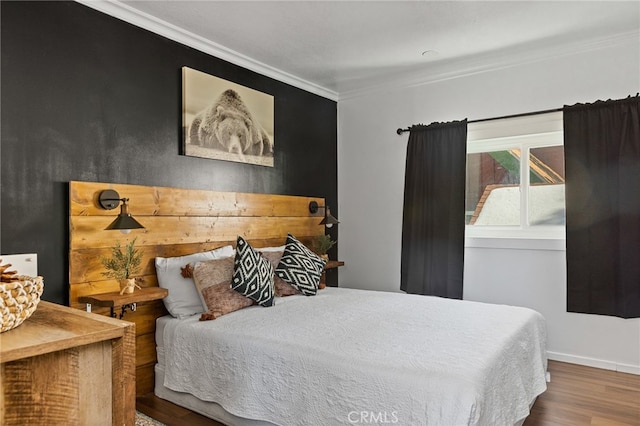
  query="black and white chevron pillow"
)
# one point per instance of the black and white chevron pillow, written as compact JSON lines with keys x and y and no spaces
{"x":300,"y":267}
{"x":252,"y":275}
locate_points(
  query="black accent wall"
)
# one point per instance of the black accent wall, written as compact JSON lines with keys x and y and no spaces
{"x":88,"y":97}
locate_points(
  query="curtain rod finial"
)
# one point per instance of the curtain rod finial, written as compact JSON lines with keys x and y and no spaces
{"x":399,"y":131}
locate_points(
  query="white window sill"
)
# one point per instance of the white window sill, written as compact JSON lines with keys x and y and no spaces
{"x":516,"y":243}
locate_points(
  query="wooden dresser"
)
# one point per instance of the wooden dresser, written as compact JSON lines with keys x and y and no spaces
{"x":65,"y":366}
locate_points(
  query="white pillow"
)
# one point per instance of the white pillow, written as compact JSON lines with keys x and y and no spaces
{"x":183,"y":299}
{"x":270,"y":249}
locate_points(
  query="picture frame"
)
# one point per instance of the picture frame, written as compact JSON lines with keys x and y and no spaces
{"x":226,"y":121}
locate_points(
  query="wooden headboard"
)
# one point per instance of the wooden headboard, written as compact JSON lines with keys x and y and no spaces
{"x":177,"y":222}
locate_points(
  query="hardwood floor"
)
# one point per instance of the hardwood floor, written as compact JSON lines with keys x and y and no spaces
{"x":576,"y":396}
{"x":579,"y":395}
{"x":170,"y":414}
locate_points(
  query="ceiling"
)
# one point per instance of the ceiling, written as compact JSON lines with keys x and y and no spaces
{"x":346,"y":47}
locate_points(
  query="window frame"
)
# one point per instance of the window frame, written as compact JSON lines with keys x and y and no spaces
{"x":524,"y":133}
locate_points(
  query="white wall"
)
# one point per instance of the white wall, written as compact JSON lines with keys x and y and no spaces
{"x":371,"y":163}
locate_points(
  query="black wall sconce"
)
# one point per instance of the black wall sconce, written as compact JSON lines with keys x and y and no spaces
{"x":109,"y":200}
{"x":328,"y":220}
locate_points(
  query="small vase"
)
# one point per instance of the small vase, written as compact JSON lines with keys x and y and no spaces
{"x":127,"y":285}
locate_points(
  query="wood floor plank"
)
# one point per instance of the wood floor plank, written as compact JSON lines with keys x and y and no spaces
{"x":576,"y":396}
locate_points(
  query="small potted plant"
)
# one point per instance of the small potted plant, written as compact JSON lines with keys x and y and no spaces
{"x":322,"y":244}
{"x":123,"y":265}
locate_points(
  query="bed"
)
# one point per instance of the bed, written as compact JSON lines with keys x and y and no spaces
{"x":350,"y":356}
{"x":341,"y":356}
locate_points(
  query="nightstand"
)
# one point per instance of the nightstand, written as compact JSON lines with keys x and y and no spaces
{"x":331,"y":264}
{"x":125,"y":301}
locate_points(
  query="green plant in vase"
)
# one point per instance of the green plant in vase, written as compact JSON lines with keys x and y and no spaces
{"x":322,"y":244}
{"x":123,"y":265}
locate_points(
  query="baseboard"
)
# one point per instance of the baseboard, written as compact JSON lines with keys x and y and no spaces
{"x":594,"y":362}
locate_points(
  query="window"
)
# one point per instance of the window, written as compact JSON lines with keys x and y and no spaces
{"x":515,"y":178}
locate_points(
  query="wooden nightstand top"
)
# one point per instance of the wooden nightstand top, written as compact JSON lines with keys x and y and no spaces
{"x":113,"y":299}
{"x":333,"y":264}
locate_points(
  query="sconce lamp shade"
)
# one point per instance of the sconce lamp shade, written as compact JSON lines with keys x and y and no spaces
{"x":124,"y":221}
{"x":328,"y":219}
{"x":109,"y":200}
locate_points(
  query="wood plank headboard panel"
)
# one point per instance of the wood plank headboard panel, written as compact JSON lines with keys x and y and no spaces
{"x":177,"y":222}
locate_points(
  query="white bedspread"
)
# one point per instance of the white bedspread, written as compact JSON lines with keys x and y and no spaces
{"x":347,"y":354}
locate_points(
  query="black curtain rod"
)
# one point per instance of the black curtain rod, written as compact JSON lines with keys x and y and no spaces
{"x":401,"y":131}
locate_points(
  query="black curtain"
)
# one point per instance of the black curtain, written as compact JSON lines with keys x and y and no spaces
{"x":433,"y":217}
{"x":602,"y":155}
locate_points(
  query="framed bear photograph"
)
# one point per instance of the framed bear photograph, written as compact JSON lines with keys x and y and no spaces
{"x":222,"y":120}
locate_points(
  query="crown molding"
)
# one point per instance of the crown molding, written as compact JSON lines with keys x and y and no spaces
{"x":140,"y":19}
